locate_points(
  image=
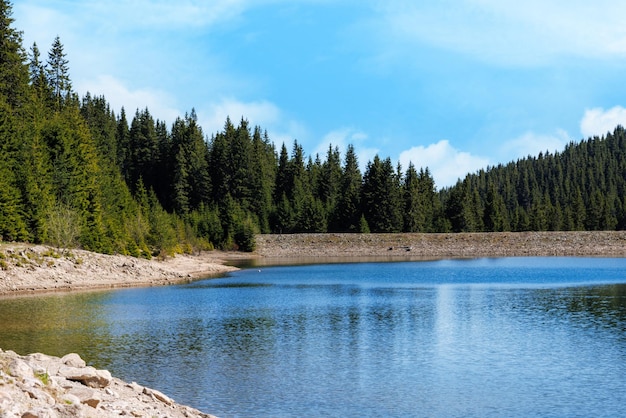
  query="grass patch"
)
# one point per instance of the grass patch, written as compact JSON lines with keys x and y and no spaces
{"x":44,"y":377}
{"x":51,"y":253}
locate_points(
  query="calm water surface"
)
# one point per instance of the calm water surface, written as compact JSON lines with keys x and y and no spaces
{"x":484,"y":337}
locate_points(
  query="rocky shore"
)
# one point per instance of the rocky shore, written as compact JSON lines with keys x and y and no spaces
{"x":41,"y":386}
{"x":35,"y":268}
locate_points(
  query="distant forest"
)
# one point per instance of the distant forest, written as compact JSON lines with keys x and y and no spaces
{"x":73,"y":173}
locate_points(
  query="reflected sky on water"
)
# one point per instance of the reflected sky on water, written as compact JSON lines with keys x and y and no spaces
{"x":484,"y":337}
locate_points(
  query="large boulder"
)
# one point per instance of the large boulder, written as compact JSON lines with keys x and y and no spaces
{"x":88,"y":376}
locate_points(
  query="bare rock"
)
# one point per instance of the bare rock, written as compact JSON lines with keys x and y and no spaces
{"x":19,"y":369}
{"x":41,"y":386}
{"x":87,"y":396}
{"x":136,"y":387}
{"x":158,"y":395}
{"x":40,"y":413}
{"x":6,"y":401}
{"x":73,"y":360}
{"x":88,"y":376}
{"x":38,"y":394}
{"x":70,"y":399}
{"x":43,"y":364}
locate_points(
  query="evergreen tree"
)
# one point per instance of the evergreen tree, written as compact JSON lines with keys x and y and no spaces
{"x":13,"y":70}
{"x":219,"y":161}
{"x":240,"y":159}
{"x":328,"y":183}
{"x":34,"y":174}
{"x":380,"y":197}
{"x":414,"y":217}
{"x":58,"y":74}
{"x":38,"y":78}
{"x":283,"y":177}
{"x":142,"y":153}
{"x":192,"y":182}
{"x":455,"y":207}
{"x":263,"y":178}
{"x":122,"y":139}
{"x":494,"y":215}
{"x":347,"y":214}
{"x":12,"y":224}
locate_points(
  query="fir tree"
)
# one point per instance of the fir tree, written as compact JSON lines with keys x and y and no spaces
{"x":58,"y":74}
{"x":347,"y":214}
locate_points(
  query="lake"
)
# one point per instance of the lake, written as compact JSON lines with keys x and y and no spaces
{"x":478,"y":337}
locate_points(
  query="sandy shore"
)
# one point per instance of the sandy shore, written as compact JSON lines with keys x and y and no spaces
{"x":33,"y":269}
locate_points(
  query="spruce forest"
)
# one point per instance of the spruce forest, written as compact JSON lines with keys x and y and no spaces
{"x":75,"y":174}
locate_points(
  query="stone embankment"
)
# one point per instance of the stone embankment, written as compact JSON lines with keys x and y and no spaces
{"x":424,"y":246}
{"x":41,"y":386}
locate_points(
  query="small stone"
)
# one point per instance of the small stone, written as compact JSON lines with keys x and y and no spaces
{"x":33,"y":382}
{"x":158,"y":395}
{"x":87,"y":396}
{"x":136,"y":387}
{"x":73,"y":360}
{"x":61,"y":382}
{"x":70,"y":399}
{"x":40,"y":413}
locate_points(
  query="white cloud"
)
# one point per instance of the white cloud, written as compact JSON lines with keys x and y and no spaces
{"x":132,"y":14}
{"x":597,"y":121}
{"x":213,"y":116}
{"x":343,"y":137}
{"x":518,"y":33}
{"x":280,"y":128}
{"x":532,"y":144}
{"x":340,"y":138}
{"x":118,"y":95}
{"x":446,"y":163}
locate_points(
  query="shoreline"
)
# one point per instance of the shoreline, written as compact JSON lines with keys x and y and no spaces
{"x":38,"y":384}
{"x":27,"y":269}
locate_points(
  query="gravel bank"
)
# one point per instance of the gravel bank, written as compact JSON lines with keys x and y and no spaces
{"x":35,"y":268}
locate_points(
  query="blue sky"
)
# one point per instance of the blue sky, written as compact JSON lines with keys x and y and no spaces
{"x":450,"y":85}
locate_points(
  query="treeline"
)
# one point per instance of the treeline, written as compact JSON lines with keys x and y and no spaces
{"x":581,"y":188}
{"x":236,"y":181}
{"x":60,"y":181}
{"x":73,"y":173}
